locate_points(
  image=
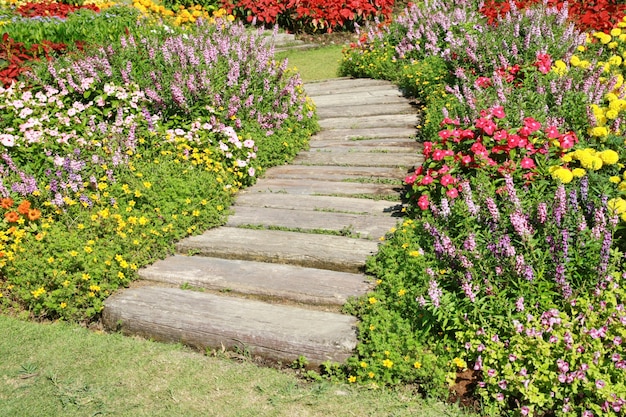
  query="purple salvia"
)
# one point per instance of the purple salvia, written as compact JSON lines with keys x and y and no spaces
{"x":605,"y":252}
{"x":520,"y":224}
{"x":510,"y":188}
{"x":470,"y":289}
{"x":492,"y":207}
{"x":445,"y":207}
{"x":434,"y":292}
{"x":469,"y":201}
{"x":542,"y":212}
{"x":505,"y":248}
{"x":560,"y":204}
{"x":470,"y":243}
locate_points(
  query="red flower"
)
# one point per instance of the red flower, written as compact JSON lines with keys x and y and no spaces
{"x":422,"y":202}
{"x":11,"y":217}
{"x":527,"y":163}
{"x":452,"y":193}
{"x":568,"y":140}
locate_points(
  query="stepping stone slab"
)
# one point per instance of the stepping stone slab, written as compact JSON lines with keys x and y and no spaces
{"x":311,"y":187}
{"x":365,"y":110}
{"x":275,"y":282}
{"x":362,"y":226}
{"x":376,"y":159}
{"x":277,"y":332}
{"x":319,"y":203}
{"x":386,"y":120}
{"x":336,"y":253}
{"x":333,"y":173}
{"x":371,"y":133}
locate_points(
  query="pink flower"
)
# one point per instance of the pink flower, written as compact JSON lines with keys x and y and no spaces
{"x":524,"y":411}
{"x":568,"y":140}
{"x":498,"y":112}
{"x":466,"y":160}
{"x":452,"y":193}
{"x":482,"y":82}
{"x":438,"y":155}
{"x":532,"y":124}
{"x":600,"y":384}
{"x":445,"y":134}
{"x":410,"y":179}
{"x":543,"y":63}
{"x":447,"y":180}
{"x":448,"y":121}
{"x":443,"y":169}
{"x":486,"y":125}
{"x":426,"y":180}
{"x":428,"y":148}
{"x":422,"y":202}
{"x":552,"y":132}
{"x":527,"y":163}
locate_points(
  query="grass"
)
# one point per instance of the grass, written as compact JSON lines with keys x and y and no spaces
{"x":314,"y":64}
{"x":58,"y":369}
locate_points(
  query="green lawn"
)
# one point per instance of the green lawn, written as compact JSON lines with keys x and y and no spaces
{"x":314,"y":64}
{"x":64,"y":370}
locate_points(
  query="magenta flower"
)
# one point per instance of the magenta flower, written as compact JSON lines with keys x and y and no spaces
{"x":527,"y":163}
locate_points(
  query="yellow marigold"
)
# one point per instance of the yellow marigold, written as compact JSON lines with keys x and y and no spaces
{"x":567,"y":158}
{"x":563,"y":174}
{"x":616,"y":32}
{"x":584,"y":64}
{"x":615,"y":179}
{"x":610,"y":97}
{"x":604,"y":38}
{"x":599,"y":131}
{"x":609,"y":156}
{"x":612,"y":45}
{"x":578,"y":172}
{"x":617,"y":205}
{"x":560,"y":68}
{"x":611,"y":114}
{"x":574,"y":60}
{"x":615,"y":60}
{"x":622,"y":186}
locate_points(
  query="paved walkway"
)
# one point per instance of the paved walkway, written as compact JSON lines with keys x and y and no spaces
{"x":271,"y":282}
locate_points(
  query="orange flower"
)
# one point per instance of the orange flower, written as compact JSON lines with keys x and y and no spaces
{"x":24,"y":207}
{"x":33,"y":214}
{"x":11,"y":216}
{"x":6,"y":203}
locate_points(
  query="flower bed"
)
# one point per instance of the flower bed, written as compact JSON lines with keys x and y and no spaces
{"x":509,"y":269}
{"x":110,"y":156}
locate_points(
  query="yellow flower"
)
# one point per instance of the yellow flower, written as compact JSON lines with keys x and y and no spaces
{"x":578,"y":172}
{"x":574,"y":60}
{"x":414,"y":253}
{"x":63,"y":304}
{"x":616,"y":32}
{"x":609,"y":156}
{"x":363,"y":365}
{"x":460,"y":363}
{"x":38,"y":292}
{"x":401,"y":292}
{"x":611,"y":114}
{"x":615,"y":60}
{"x":417,"y":365}
{"x":617,"y":205}
{"x":615,"y":179}
{"x":599,"y":131}
{"x":612,"y":45}
{"x":352,"y":379}
{"x":373,"y":300}
{"x":563,"y":174}
{"x":560,"y":67}
{"x":387,"y":363}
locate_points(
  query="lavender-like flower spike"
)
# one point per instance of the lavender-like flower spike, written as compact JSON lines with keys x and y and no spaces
{"x":542,"y":212}
{"x":469,"y":201}
{"x":493,"y":209}
{"x":434,"y":292}
{"x":521,"y":226}
{"x":560,"y":204}
{"x":510,"y":188}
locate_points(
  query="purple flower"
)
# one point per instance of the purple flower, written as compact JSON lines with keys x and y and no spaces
{"x":434,"y":292}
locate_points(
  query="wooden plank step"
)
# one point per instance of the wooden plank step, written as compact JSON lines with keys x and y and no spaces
{"x":320,"y":203}
{"x":334,"y":173}
{"x":355,"y":99}
{"x":353,"y":225}
{"x":313,"y":187}
{"x":336,"y":253}
{"x":371,"y":145}
{"x":274,"y":282}
{"x":202,"y":320}
{"x":374,"y":159}
{"x":366,"y":122}
{"x":371,"y":133}
{"x":346,"y":85}
{"x":365,"y":110}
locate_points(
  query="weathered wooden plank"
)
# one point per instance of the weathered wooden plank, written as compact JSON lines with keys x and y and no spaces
{"x":310,"y":187}
{"x":346,"y":85}
{"x":333,"y":173}
{"x":336,"y":253}
{"x":393,"y":145}
{"x":365,"y":110}
{"x":371,"y":133}
{"x":319,"y":203}
{"x":355,"y":225}
{"x":375,"y":159}
{"x":278,"y":332}
{"x":353,"y":99}
{"x":274,"y":282}
{"x":366,"y":122}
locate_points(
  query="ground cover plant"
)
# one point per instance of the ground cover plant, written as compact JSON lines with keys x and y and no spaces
{"x":112,"y":154}
{"x":506,"y":281}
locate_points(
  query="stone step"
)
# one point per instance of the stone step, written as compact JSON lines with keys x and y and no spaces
{"x":335,"y":253}
{"x":334,"y":173}
{"x":375,"y":159}
{"x":368,"y":145}
{"x":319,"y":203}
{"x":202,"y":320}
{"x":365,"y":110}
{"x":268,"y":281}
{"x":329,"y":188}
{"x":366,"y":122}
{"x":353,"y":225}
{"x":371,"y":133}
{"x":346,"y":85}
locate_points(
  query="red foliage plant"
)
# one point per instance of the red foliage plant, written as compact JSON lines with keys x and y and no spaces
{"x":586,"y":14}
{"x":51,"y":8}
{"x":15,"y":56}
{"x":327,"y":14}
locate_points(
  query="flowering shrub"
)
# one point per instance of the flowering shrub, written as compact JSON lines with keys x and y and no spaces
{"x":51,"y":8}
{"x":484,"y":146}
{"x":116,"y":169}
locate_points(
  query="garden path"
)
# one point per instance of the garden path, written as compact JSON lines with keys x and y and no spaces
{"x":271,"y":282}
